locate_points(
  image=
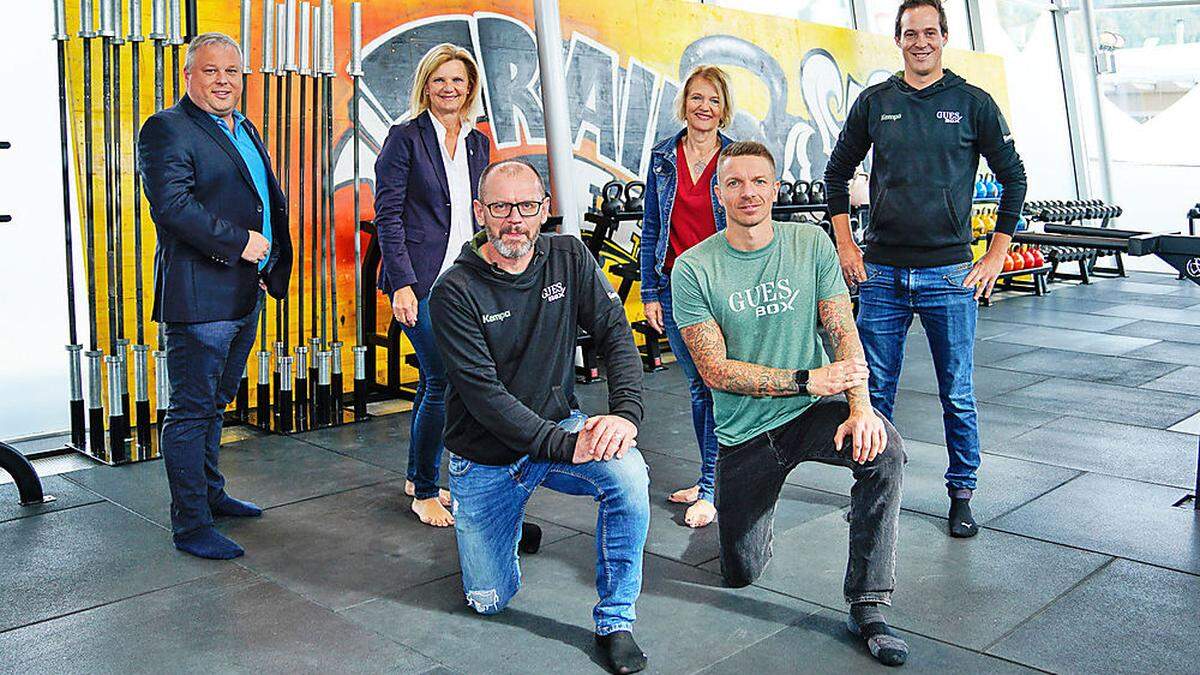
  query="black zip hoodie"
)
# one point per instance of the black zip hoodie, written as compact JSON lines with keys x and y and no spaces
{"x":927,"y":148}
{"x":508,"y":342}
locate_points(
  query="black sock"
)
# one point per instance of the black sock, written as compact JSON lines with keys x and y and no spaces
{"x":962,"y":523}
{"x":621,"y":653}
{"x":867,"y":622}
{"x":531,"y":538}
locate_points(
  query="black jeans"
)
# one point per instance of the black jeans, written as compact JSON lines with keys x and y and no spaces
{"x":204,"y":366}
{"x":751,"y":474}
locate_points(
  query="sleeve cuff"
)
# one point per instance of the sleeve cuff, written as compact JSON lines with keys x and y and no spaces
{"x":839,"y":205}
{"x":1006,"y":223}
{"x":635,"y":420}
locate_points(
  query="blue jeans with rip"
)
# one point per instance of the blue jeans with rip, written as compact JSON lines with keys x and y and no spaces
{"x":204,"y":367}
{"x":429,"y":407}
{"x":489,"y":506}
{"x":702,"y":400}
{"x":888,"y":299}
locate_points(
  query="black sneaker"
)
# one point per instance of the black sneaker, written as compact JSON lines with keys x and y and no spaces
{"x":962,"y":523}
{"x":621,"y":653}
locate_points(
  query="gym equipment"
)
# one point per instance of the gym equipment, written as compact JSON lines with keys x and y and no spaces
{"x":29,"y":486}
{"x":263,"y":389}
{"x":634,"y":195}
{"x":360,"y":349}
{"x":335,"y":345}
{"x":305,"y":70}
{"x":800,"y":193}
{"x":816,"y":192}
{"x":1180,"y":251}
{"x":175,"y":38}
{"x":314,"y":343}
{"x":610,"y":196}
{"x":78,"y":431}
{"x":141,"y":374}
{"x":280,"y":132}
{"x":784,"y":198}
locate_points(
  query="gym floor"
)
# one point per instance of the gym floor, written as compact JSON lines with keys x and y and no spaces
{"x":1090,"y":412}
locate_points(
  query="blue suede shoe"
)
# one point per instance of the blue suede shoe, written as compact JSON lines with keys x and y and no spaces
{"x":208,"y":543}
{"x":228,"y":506}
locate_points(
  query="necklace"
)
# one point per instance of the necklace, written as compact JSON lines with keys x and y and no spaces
{"x":702,"y":162}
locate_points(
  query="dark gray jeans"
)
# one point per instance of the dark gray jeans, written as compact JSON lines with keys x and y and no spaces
{"x":751,"y":474}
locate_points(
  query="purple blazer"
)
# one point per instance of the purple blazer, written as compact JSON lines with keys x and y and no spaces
{"x":412,"y":203}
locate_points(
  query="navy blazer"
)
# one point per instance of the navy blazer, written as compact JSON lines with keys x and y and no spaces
{"x":203,"y":203}
{"x":412,"y":203}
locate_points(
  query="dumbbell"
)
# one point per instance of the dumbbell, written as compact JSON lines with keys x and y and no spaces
{"x":784,"y":198}
{"x":800,"y":193}
{"x":610,"y":196}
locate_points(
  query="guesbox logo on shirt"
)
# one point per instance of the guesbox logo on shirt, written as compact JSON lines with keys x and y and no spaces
{"x":767,"y":298}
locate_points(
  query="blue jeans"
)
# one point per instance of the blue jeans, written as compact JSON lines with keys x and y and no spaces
{"x":702,"y":401}
{"x":204,"y":367}
{"x":887,"y":301}
{"x":429,"y":407}
{"x":489,"y":505}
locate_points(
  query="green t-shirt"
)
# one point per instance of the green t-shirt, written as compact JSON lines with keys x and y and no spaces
{"x":765,"y":302}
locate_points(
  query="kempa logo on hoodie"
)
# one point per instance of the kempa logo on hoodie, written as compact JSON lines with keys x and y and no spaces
{"x":500,"y":316}
{"x":890,"y":118}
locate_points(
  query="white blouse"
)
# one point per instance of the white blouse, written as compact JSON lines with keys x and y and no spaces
{"x":458,"y":178}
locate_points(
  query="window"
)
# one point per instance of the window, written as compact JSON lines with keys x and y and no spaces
{"x":830,"y":12}
{"x":881,"y":18}
{"x":1149,"y":105}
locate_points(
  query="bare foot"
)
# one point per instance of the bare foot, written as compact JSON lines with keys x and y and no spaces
{"x":443,"y":495}
{"x":685,"y":496}
{"x":700,"y":514}
{"x":431,"y":512}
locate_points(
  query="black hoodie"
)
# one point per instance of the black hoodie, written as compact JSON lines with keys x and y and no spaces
{"x":927,"y":148}
{"x":508,"y":342}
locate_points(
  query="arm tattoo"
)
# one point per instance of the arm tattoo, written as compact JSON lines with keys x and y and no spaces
{"x":837,"y":316}
{"x":706,"y":344}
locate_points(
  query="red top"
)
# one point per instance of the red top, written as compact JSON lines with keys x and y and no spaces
{"x":692,"y":219}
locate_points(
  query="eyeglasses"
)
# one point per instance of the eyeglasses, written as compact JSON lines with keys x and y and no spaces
{"x":526,"y":209}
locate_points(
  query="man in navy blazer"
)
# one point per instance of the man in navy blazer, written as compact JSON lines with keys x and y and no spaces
{"x":412,"y":211}
{"x":222,"y":225}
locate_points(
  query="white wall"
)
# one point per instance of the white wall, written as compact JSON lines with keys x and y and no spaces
{"x":33,"y":362}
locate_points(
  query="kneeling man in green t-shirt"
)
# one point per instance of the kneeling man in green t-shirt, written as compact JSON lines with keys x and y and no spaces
{"x":747,"y":301}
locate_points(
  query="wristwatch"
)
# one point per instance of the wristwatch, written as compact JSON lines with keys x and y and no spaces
{"x":801,"y":378}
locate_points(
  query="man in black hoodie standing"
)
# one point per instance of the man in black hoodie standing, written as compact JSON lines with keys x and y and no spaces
{"x":928,"y":128}
{"x":507,"y":314}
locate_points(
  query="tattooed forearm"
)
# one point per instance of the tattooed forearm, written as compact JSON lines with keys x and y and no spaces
{"x":706,"y":344}
{"x":837,"y":316}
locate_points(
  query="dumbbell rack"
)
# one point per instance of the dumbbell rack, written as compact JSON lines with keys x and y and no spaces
{"x":1058,"y":214}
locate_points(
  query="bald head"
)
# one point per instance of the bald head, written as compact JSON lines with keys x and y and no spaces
{"x":514,"y":169}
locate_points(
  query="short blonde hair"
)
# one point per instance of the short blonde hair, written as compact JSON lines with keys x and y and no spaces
{"x":435,"y":58}
{"x":718,"y":79}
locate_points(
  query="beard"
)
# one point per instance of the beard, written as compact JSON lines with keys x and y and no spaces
{"x":510,"y":251}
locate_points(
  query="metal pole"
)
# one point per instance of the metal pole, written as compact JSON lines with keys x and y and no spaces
{"x":335,"y":346}
{"x":305,"y":70}
{"x":314,"y":342}
{"x":242,"y":398}
{"x":280,"y":133}
{"x":1089,"y":33}
{"x":122,"y":353}
{"x":95,"y":398}
{"x":558,"y":119}
{"x":158,"y":34}
{"x":176,"y":39}
{"x":360,"y":350}
{"x":78,"y":428}
{"x":264,"y":356}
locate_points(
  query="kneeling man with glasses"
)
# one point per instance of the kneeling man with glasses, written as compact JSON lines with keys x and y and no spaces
{"x":507,"y":314}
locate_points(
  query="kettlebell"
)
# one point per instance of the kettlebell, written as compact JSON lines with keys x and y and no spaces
{"x":784,"y":198}
{"x":816,"y":192}
{"x":610,"y":195}
{"x":800,"y":193}
{"x":980,"y":189}
{"x":633,"y":195}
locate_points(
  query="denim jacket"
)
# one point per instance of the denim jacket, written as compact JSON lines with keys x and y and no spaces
{"x":656,"y":223}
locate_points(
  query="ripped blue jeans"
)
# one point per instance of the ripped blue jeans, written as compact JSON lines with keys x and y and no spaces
{"x":489,"y":506}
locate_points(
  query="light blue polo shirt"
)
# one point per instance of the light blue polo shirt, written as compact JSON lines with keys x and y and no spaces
{"x":258,"y":171}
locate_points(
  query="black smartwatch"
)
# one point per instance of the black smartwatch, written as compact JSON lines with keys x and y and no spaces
{"x":801,"y":378}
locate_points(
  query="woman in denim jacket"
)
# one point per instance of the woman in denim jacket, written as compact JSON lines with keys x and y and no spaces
{"x":681,"y":211}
